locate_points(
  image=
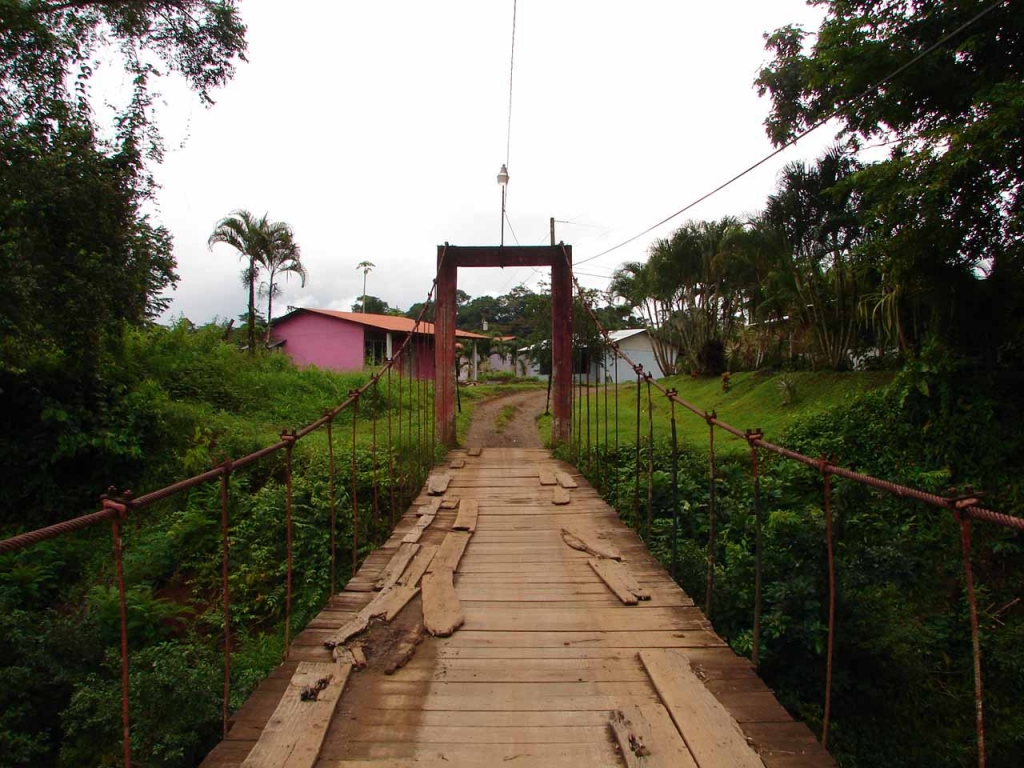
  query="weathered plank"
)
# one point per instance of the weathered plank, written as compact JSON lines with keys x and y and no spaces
{"x":588,"y":543}
{"x":450,"y":553}
{"x":442,"y":612}
{"x":438,"y":484}
{"x":474,"y":452}
{"x":468,"y":511}
{"x":358,"y":656}
{"x":295,"y":733}
{"x":560,"y":497}
{"x":397,"y":564}
{"x":429,"y":507}
{"x":387,"y":604}
{"x":712,"y":735}
{"x":457,"y":463}
{"x":648,"y":739}
{"x":620,"y":581}
{"x":404,"y":650}
{"x":449,"y":503}
{"x":547,"y":477}
{"x":419,"y":565}
{"x":417,"y":530}
{"x":565,"y":480}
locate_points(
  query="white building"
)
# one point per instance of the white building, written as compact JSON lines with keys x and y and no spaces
{"x":634,"y":342}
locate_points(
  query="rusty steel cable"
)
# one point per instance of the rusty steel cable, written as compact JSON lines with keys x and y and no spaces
{"x":391,"y":456}
{"x":586,"y":356}
{"x":225,"y":587}
{"x":650,"y":460}
{"x":355,"y":492}
{"x":332,"y":496}
{"x":827,"y":479}
{"x":126,"y":738}
{"x":675,"y":491}
{"x":606,"y":475}
{"x":710,"y":592}
{"x":755,"y":470}
{"x":972,"y":604}
{"x":636,"y":464}
{"x":376,"y":493}
{"x":289,"y":448}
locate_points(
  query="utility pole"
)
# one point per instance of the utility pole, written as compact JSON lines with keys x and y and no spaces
{"x":552,"y":230}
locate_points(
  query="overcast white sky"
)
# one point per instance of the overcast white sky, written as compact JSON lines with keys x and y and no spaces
{"x":377,"y":130}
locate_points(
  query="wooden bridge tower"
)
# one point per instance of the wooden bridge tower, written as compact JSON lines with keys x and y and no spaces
{"x":449,"y":259}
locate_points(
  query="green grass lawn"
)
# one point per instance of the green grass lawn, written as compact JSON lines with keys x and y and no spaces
{"x":754,"y":401}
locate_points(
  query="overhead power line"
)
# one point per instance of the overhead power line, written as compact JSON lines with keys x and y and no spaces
{"x":863,"y":94}
{"x":511,"y":70}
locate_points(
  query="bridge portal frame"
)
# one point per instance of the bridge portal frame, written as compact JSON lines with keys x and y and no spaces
{"x":449,"y":259}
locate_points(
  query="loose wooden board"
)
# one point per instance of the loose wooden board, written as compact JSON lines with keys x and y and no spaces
{"x":397,"y":564}
{"x":417,"y":530}
{"x":457,"y":463}
{"x":412,"y":575}
{"x":565,"y":480}
{"x":449,"y":503}
{"x":466,"y":521}
{"x":473,"y":452}
{"x":620,"y":581}
{"x":712,"y":735}
{"x":442,"y":612}
{"x":648,"y":739}
{"x":295,"y":733}
{"x":451,"y":551}
{"x":387,"y":604}
{"x":428,"y":507}
{"x":404,"y":650}
{"x":547,"y":477}
{"x":560,"y":497}
{"x":588,"y":543}
{"x":438,"y":484}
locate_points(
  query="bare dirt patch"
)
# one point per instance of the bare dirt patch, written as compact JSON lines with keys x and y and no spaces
{"x":489,"y":429}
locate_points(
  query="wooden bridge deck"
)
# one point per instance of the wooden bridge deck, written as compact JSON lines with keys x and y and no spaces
{"x":546,"y":656}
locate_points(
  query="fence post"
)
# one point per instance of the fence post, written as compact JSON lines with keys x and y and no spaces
{"x":225,"y":480}
{"x":958,"y":505}
{"x":827,"y":477}
{"x":675,"y":485}
{"x":755,"y":464}
{"x":119,"y":513}
{"x":709,"y":594}
{"x":289,"y":439}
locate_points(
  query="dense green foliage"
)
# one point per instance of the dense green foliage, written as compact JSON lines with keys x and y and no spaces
{"x":186,"y":400}
{"x":903,"y":685}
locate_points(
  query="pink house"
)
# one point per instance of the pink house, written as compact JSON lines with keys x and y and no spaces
{"x":352,"y":341}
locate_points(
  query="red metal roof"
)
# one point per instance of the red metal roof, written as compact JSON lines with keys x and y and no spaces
{"x":387,"y":322}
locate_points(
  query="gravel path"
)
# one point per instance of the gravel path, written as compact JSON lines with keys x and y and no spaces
{"x":520,"y":432}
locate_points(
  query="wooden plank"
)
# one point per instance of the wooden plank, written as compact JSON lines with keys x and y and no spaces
{"x":295,"y":733}
{"x":404,"y":649}
{"x":547,"y":477}
{"x":449,"y":503}
{"x":397,"y":564}
{"x":438,"y":484}
{"x":589,"y":543}
{"x":419,"y":565}
{"x":712,"y":735}
{"x":422,"y":524}
{"x":565,"y":480}
{"x":474,"y":451}
{"x":457,"y":463}
{"x":400,"y":595}
{"x":358,"y":656}
{"x":442,"y":612}
{"x":620,"y":581}
{"x":429,"y":507}
{"x":450,"y":554}
{"x":648,"y":739}
{"x":387,"y":604}
{"x":560,"y":497}
{"x":466,"y":521}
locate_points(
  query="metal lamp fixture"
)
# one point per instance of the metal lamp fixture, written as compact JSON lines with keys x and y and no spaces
{"x":503,"y":181}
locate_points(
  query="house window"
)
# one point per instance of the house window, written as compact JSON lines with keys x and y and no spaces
{"x":375,"y":352}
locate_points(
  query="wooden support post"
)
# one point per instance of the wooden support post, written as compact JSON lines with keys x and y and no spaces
{"x":444,"y":349}
{"x":561,"y":345}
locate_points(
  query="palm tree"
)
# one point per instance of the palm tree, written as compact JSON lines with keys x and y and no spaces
{"x":366,"y":266}
{"x":247,"y":235}
{"x":281,"y":256}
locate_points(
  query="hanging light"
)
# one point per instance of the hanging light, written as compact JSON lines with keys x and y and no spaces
{"x":503,"y":175}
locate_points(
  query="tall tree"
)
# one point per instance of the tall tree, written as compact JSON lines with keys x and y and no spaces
{"x":366,"y":267}
{"x":945,"y":210}
{"x":255,"y":239}
{"x":281,"y":257}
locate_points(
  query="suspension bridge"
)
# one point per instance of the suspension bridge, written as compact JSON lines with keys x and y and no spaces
{"x":507,"y":614}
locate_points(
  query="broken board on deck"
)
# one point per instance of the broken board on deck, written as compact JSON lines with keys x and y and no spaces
{"x":417,"y":530}
{"x":451,"y":551}
{"x":619,"y":580}
{"x":442,"y":611}
{"x":588,"y":543}
{"x":713,"y":736}
{"x":565,"y":480}
{"x":547,"y":477}
{"x":418,"y":566}
{"x":466,"y":520}
{"x":438,"y":484}
{"x":294,"y":735}
{"x":647,"y":738}
{"x":397,"y":564}
{"x":560,"y":497}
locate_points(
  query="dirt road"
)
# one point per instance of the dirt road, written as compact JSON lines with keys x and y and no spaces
{"x":519,"y":432}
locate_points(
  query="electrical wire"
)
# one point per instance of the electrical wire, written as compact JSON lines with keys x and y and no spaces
{"x":511,"y":70}
{"x":821,"y":121}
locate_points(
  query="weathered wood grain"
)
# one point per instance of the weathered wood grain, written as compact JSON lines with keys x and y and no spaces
{"x":468,"y":512}
{"x":620,"y":581}
{"x":647,"y":738}
{"x":397,"y":564}
{"x":438,"y":484}
{"x":588,"y":542}
{"x":442,"y":612}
